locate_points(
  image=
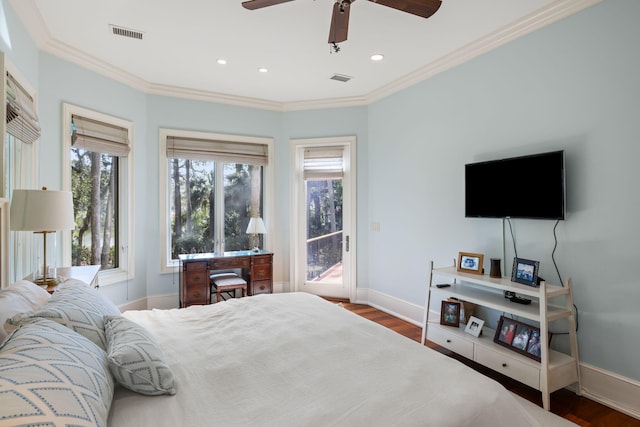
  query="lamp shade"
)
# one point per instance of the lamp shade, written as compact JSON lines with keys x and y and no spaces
{"x":41,"y":210}
{"x":256,"y":226}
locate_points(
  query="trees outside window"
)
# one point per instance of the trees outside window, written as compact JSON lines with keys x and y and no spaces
{"x":194,"y":194}
{"x":94,"y":183}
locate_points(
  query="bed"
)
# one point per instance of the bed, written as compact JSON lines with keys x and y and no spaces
{"x":290,"y":359}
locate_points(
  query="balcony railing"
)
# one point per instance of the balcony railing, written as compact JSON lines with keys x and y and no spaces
{"x":323,"y":253}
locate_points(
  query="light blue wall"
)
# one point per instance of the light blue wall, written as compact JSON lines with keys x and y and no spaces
{"x":574,"y":85}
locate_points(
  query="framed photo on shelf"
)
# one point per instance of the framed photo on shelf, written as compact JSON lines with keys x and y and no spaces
{"x":525,"y":271}
{"x":519,"y":337}
{"x":474,"y":326}
{"x":470,"y":263}
{"x":450,"y":313}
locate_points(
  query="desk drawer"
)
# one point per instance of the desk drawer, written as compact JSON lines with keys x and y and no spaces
{"x":509,"y":366}
{"x":261,"y":272}
{"x":262,"y":260}
{"x":222,"y":264}
{"x":261,"y":287}
{"x":450,"y":340}
{"x":196,"y":266}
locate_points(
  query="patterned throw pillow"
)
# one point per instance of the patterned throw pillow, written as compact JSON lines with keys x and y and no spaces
{"x":52,"y":376}
{"x":135,"y":359}
{"x":77,"y":306}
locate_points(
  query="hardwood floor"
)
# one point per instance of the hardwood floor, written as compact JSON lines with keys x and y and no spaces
{"x":564,"y":403}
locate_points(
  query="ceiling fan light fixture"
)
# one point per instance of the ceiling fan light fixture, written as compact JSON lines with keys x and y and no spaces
{"x":377,"y":57}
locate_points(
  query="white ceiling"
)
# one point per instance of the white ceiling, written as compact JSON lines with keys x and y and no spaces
{"x":183,"y":39}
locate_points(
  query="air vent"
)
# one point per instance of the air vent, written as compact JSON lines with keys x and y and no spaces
{"x":126,"y":32}
{"x":341,"y":78}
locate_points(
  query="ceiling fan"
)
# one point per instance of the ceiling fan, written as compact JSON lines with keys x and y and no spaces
{"x":340,"y":18}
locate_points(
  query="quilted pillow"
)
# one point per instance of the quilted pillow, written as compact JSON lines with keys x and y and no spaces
{"x":20,"y":297}
{"x":79,"y":307}
{"x":50,"y":375}
{"x":135,"y":359}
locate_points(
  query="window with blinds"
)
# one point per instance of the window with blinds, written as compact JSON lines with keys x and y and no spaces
{"x":323,"y":163}
{"x":97,"y":149}
{"x":22,"y":120}
{"x":214,"y":187}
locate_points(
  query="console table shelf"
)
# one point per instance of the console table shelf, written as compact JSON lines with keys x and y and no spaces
{"x":555,"y":370}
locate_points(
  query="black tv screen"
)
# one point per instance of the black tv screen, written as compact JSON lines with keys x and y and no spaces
{"x":519,"y":187}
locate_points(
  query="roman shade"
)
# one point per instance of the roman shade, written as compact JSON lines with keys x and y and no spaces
{"x":323,"y":163}
{"x":215,"y":150}
{"x":99,"y":137}
{"x":22,"y":120}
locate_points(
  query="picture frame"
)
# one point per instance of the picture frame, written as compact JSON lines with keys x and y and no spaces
{"x":474,"y":326}
{"x":450,"y":313}
{"x":525,"y":271}
{"x":519,"y":337}
{"x":469,"y":262}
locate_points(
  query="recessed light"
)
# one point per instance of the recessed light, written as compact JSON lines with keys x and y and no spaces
{"x":222,"y":61}
{"x":263,"y":70}
{"x":377,"y":57}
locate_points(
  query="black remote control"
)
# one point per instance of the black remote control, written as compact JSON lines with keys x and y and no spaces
{"x":520,"y":300}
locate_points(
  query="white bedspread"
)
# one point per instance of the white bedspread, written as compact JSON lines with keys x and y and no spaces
{"x":298,"y":360}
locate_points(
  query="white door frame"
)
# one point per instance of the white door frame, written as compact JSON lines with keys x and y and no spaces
{"x":298,"y":209}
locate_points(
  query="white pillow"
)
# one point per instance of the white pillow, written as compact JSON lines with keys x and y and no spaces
{"x":135,"y":358}
{"x":77,"y":306}
{"x":52,"y":376}
{"x":20,"y":297}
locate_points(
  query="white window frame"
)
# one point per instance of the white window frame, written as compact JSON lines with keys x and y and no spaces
{"x":24,"y":176}
{"x":167,"y":265}
{"x":126,"y":269}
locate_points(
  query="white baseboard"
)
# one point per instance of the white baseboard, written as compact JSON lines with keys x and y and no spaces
{"x":401,"y":309}
{"x":610,"y":389}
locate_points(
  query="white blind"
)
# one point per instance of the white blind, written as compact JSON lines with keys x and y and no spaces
{"x":99,"y":137}
{"x":22,"y":120}
{"x":323,"y":163}
{"x":213,"y":150}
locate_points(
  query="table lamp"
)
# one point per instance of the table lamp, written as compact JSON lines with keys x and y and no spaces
{"x":256,"y":226}
{"x":44,"y":212}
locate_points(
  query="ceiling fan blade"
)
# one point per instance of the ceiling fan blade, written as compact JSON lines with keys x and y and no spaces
{"x":423,"y":8}
{"x":339,"y":23}
{"x":258,"y":4}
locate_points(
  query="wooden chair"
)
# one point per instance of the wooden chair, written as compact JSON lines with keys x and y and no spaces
{"x":227,"y":283}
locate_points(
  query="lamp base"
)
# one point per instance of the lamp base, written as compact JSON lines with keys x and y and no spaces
{"x":47,"y":281}
{"x":255,"y":249}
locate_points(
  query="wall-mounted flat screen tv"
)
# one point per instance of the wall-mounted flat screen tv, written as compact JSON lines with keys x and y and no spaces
{"x":530,"y":186}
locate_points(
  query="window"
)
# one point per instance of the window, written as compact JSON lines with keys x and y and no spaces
{"x":19,"y":153}
{"x":213,"y":184}
{"x":98,"y":166}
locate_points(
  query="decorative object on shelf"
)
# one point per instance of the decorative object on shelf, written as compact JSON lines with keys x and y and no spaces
{"x":467,"y":309}
{"x":495,"y":271}
{"x":470,"y":262}
{"x":474,"y":326}
{"x":450,"y":313}
{"x":256,"y":226}
{"x":44,"y":212}
{"x":519,"y":337}
{"x":525,"y":271}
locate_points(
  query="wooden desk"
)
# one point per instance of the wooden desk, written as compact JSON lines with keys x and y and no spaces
{"x":85,"y":273}
{"x":256,"y":268}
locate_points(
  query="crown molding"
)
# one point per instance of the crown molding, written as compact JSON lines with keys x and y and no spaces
{"x":32,"y":19}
